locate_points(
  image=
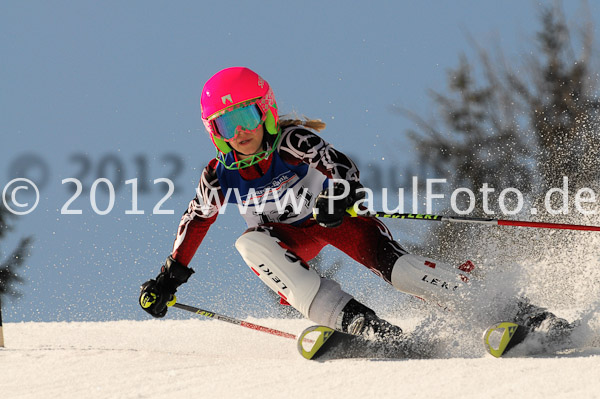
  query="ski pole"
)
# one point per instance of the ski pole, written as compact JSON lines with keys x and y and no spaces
{"x":233,"y":321}
{"x":467,"y":219}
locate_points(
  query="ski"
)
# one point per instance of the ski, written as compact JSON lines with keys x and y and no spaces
{"x":323,"y":343}
{"x":502,"y":337}
{"x":312,"y":340}
{"x":554,"y":336}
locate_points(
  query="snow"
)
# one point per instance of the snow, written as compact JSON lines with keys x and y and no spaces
{"x":208,"y":358}
{"x":204,"y":358}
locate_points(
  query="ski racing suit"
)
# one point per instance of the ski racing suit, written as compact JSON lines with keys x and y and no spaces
{"x":277,"y":245}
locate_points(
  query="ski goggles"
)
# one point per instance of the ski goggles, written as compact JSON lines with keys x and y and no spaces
{"x":242,"y":118}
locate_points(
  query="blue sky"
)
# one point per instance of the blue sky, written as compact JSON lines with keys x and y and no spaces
{"x":111,"y":89}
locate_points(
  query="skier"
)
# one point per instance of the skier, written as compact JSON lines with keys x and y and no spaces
{"x":268,"y":160}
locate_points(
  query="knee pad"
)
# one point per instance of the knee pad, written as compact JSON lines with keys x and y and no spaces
{"x":281,"y":270}
{"x":428,"y":279}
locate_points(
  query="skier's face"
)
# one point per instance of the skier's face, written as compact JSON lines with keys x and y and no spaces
{"x":248,"y":143}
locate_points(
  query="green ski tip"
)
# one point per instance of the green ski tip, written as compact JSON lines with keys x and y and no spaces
{"x":501,"y":337}
{"x":312,"y":339}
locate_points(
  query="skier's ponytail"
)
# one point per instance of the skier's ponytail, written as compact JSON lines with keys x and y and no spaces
{"x":294,"y":120}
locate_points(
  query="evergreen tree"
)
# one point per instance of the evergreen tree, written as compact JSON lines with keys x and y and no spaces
{"x":9,"y":266}
{"x":524,"y":124}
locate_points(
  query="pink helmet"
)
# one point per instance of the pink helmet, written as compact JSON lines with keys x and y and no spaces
{"x":232,"y":89}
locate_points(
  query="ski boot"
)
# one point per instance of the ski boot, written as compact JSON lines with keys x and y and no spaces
{"x":357,"y":319}
{"x":553,"y":330}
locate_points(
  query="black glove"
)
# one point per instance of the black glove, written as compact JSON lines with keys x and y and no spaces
{"x":155,"y":294}
{"x":334,"y":217}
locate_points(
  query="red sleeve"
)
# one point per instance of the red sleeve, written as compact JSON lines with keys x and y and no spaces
{"x":201,"y":213}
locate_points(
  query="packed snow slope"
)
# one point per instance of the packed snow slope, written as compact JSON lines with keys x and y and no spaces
{"x":211,"y":359}
{"x":196,"y":357}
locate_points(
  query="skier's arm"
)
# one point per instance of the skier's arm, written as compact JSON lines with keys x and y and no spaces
{"x":201,"y":213}
{"x":301,"y":145}
{"x":156,"y":294}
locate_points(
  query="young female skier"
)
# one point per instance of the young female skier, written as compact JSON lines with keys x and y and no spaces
{"x":294,"y":189}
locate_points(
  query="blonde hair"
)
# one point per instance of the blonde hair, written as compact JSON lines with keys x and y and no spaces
{"x":294,"y":120}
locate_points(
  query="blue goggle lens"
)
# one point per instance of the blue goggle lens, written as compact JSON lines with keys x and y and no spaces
{"x":247,"y":118}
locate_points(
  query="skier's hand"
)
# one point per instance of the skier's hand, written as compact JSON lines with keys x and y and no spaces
{"x":331,"y":204}
{"x":157,"y":294}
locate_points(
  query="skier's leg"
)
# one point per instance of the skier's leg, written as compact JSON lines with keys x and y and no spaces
{"x":369,"y":242}
{"x":280,"y":269}
{"x":429,"y":279}
{"x":358,"y":238}
{"x":450,"y":287}
{"x":372,"y":244}
{"x":319,"y":299}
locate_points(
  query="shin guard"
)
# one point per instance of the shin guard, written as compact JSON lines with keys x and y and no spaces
{"x":281,"y":270}
{"x":428,"y":279}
